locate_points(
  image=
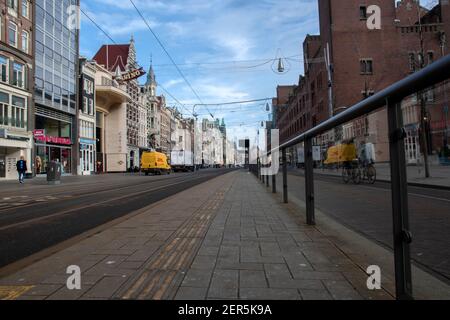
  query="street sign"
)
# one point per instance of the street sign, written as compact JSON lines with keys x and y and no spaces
{"x":317,"y":155}
{"x":38,"y":133}
{"x":131,"y":75}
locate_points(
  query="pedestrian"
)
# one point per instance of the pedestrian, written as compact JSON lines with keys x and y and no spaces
{"x":21,"y":168}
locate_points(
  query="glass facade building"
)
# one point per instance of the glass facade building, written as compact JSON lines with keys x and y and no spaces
{"x":56,"y":59}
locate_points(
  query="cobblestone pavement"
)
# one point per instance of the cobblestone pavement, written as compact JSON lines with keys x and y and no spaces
{"x":225,"y":239}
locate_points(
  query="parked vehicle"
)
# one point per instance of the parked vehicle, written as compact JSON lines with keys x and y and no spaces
{"x":155,"y":163}
{"x":182,"y":161}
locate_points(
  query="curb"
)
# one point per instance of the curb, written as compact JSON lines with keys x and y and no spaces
{"x":411,"y":184}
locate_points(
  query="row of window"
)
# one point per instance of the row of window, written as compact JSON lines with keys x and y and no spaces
{"x":18,"y":72}
{"x":13,"y":37}
{"x":88,"y":86}
{"x":87,"y":129}
{"x":13,"y":111}
{"x":88,"y":106}
{"x":13,"y":8}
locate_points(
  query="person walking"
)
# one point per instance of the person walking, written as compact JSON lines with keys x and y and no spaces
{"x":21,"y":168}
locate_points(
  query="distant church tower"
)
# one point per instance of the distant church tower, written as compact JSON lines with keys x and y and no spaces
{"x":150,"y":85}
{"x":151,"y":102}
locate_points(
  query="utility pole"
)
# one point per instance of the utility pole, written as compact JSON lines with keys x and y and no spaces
{"x":423,"y":106}
{"x":443,"y":40}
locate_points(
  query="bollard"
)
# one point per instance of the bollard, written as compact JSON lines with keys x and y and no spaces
{"x":274,"y":184}
{"x":285,"y":186}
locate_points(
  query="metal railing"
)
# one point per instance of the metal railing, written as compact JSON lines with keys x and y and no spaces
{"x":390,"y":97}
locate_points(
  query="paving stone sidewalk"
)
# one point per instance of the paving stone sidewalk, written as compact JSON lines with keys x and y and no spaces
{"x":228,"y":238}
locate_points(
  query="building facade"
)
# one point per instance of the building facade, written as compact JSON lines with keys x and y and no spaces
{"x":121,"y":61}
{"x":166,"y":125}
{"x":111,"y":100}
{"x":348,"y":62}
{"x":55,"y":94}
{"x":152,"y":105}
{"x":86,"y":118}
{"x":213,"y":144}
{"x":16,"y":86}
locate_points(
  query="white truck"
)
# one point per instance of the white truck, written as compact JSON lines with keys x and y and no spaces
{"x":181,"y":160}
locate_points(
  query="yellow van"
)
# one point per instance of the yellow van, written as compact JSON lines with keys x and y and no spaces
{"x":155,"y":163}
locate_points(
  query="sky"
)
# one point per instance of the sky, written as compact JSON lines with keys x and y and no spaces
{"x":225,"y":48}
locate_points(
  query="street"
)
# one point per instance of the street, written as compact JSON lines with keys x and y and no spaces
{"x":367,"y":210}
{"x":36,"y":216}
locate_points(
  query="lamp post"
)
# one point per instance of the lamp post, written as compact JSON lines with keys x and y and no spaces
{"x":423,"y":106}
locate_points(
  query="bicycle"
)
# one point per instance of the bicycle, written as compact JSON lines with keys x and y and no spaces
{"x":351,"y":172}
{"x":369,"y":173}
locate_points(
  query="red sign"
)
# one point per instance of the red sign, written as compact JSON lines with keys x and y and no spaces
{"x":55,"y":140}
{"x":39,"y":133}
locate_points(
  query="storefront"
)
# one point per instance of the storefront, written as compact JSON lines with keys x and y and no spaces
{"x":87,"y":156}
{"x":52,"y":143}
{"x":50,"y":152}
{"x":11,"y":150}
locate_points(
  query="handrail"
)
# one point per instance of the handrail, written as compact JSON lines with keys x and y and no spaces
{"x":434,"y":73}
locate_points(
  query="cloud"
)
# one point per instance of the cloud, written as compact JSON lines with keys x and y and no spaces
{"x":210,"y":32}
{"x":172,"y":83}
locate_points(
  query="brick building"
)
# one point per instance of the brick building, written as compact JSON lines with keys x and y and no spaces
{"x":16,"y":85}
{"x":348,"y":62}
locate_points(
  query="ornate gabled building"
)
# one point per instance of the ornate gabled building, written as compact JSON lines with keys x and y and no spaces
{"x":121,"y":60}
{"x":152,"y":105}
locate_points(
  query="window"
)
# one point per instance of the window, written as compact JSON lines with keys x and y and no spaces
{"x":367,"y":93}
{"x":430,"y":55}
{"x":91,"y":107}
{"x":25,"y":41}
{"x":18,"y":112}
{"x":12,"y":34}
{"x":362,"y":12}
{"x":85,"y":105}
{"x":12,"y":7}
{"x":3,"y":69}
{"x":4,"y":104}
{"x":18,"y":75}
{"x":366,"y":66}
{"x":412,"y":61}
{"x":25,"y":9}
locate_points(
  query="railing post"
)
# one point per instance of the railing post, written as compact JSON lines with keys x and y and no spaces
{"x":258,"y":169}
{"x":285,"y":185}
{"x":267,"y":179}
{"x":274,"y":183}
{"x":399,"y":189}
{"x":309,"y":183}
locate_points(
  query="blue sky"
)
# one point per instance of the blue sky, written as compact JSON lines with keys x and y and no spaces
{"x":210,"y":32}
